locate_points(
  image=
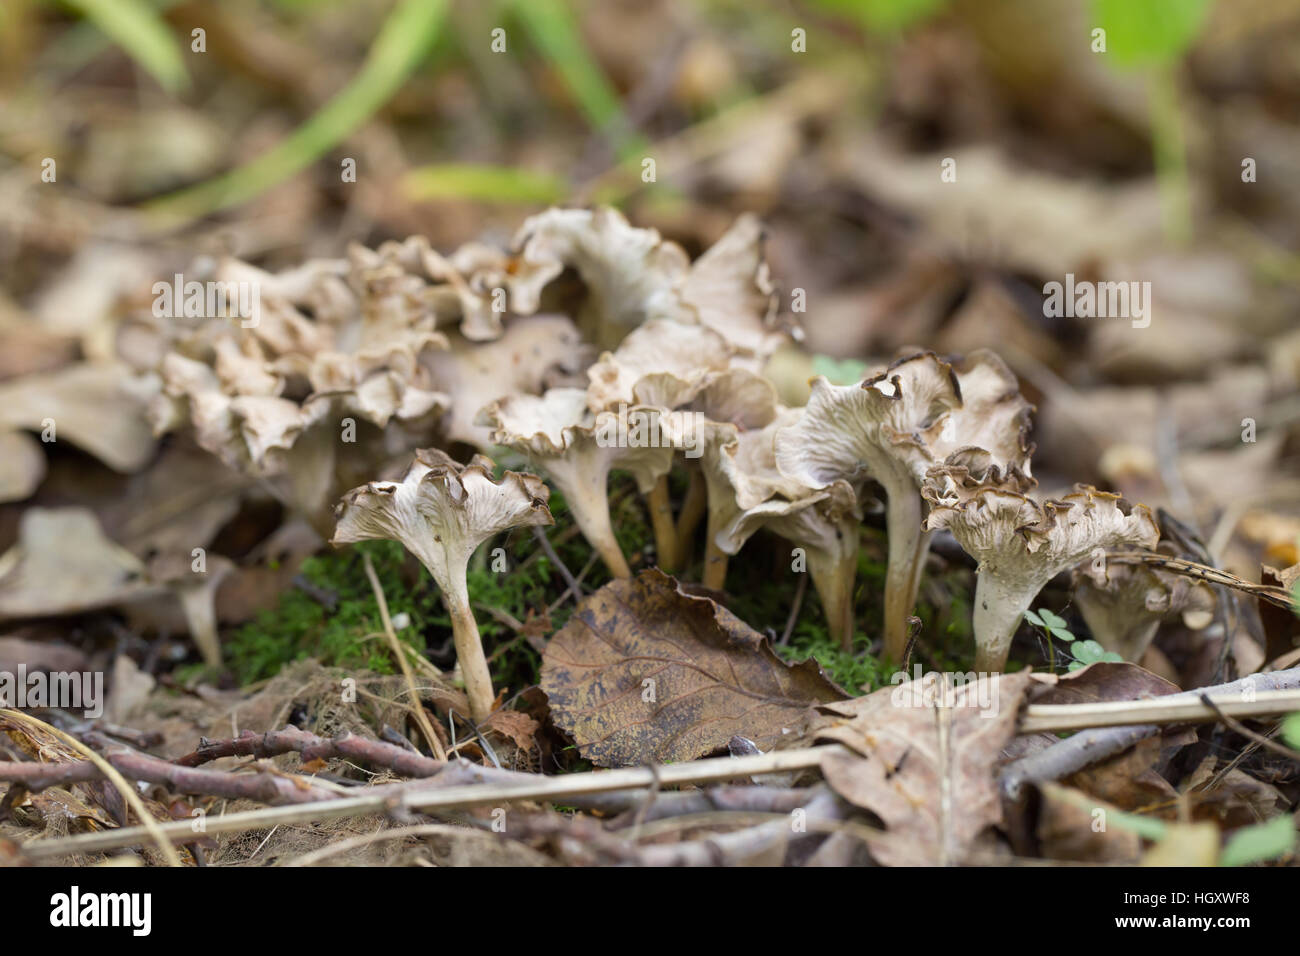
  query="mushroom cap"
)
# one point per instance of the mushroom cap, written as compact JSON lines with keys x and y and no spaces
{"x":988,"y":433}
{"x":531,"y":351}
{"x":737,"y":396}
{"x":1016,"y":538}
{"x":825,"y":521}
{"x":1140,"y":589}
{"x":729,"y":290}
{"x":441,"y":511}
{"x":873,"y":429}
{"x":740,"y":467}
{"x":578,"y":448}
{"x":633,"y":274}
{"x":663,"y":363}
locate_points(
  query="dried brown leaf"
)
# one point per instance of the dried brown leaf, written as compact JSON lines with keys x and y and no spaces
{"x":924,"y":759}
{"x":645,"y":672}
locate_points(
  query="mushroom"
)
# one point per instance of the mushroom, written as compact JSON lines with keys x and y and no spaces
{"x":826,"y":524}
{"x":272,"y":399}
{"x":894,"y":428}
{"x":1123,"y":604}
{"x":740,"y":473}
{"x":634,"y":276}
{"x":1020,"y":545}
{"x":441,"y":512}
{"x":875,"y":430}
{"x":533,"y":352}
{"x":663,"y":364}
{"x":578,"y":448}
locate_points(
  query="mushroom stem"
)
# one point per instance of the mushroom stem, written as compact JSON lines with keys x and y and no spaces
{"x":661,"y":518}
{"x":592,"y":519}
{"x":469,"y":651}
{"x":584,"y":486}
{"x":715,"y":559}
{"x":833,"y":576}
{"x":693,"y":508}
{"x":998,"y":610}
{"x":908,"y":544}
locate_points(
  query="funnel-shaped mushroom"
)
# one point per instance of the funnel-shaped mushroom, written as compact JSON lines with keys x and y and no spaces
{"x":895,"y":427}
{"x":1021,"y":545}
{"x":634,"y":276}
{"x":577,"y":449}
{"x":1123,"y":604}
{"x":739,"y":467}
{"x":441,"y":512}
{"x":875,"y":430}
{"x":826,"y":524}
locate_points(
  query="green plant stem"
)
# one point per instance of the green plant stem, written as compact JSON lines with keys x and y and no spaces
{"x":400,"y":46}
{"x":1169,"y":147}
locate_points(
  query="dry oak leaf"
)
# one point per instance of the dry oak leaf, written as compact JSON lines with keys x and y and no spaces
{"x":644,"y":672}
{"x":924,"y":755}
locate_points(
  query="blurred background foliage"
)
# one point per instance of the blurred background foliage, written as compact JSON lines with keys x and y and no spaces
{"x":1168,"y":152}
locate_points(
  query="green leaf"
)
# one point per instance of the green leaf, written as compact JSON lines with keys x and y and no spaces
{"x":136,"y":28}
{"x":885,"y":15}
{"x":1051,"y":619}
{"x":402,"y":42}
{"x":1261,"y":841}
{"x":483,"y":183}
{"x":1075,"y":666}
{"x":1111,"y":658}
{"x":553,"y":29}
{"x":1033,"y":618}
{"x":1087,"y":652}
{"x":1061,"y":634}
{"x":1142,"y":32}
{"x":1291,"y":730}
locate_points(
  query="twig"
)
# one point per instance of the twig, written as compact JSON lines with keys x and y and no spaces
{"x":420,"y":716}
{"x":1170,"y":709}
{"x":386,"y":800}
{"x":1249,"y":734}
{"x":1203,"y":572}
{"x":1089,"y":746}
{"x":349,"y":746}
{"x":794,"y":610}
{"x":586,"y":568}
{"x":149,"y":829}
{"x":545,"y":544}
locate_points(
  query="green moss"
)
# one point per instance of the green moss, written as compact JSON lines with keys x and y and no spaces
{"x":350,"y":635}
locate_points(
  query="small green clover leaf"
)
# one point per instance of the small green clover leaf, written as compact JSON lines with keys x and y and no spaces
{"x":1053,"y":624}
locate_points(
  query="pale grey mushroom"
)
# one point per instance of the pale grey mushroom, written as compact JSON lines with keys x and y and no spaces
{"x":1021,"y":545}
{"x":441,"y":512}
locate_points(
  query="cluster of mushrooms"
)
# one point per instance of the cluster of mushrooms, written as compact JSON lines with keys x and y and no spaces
{"x":497,"y":350}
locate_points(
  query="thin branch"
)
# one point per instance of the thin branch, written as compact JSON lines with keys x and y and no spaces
{"x":1249,"y":734}
{"x":420,"y":716}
